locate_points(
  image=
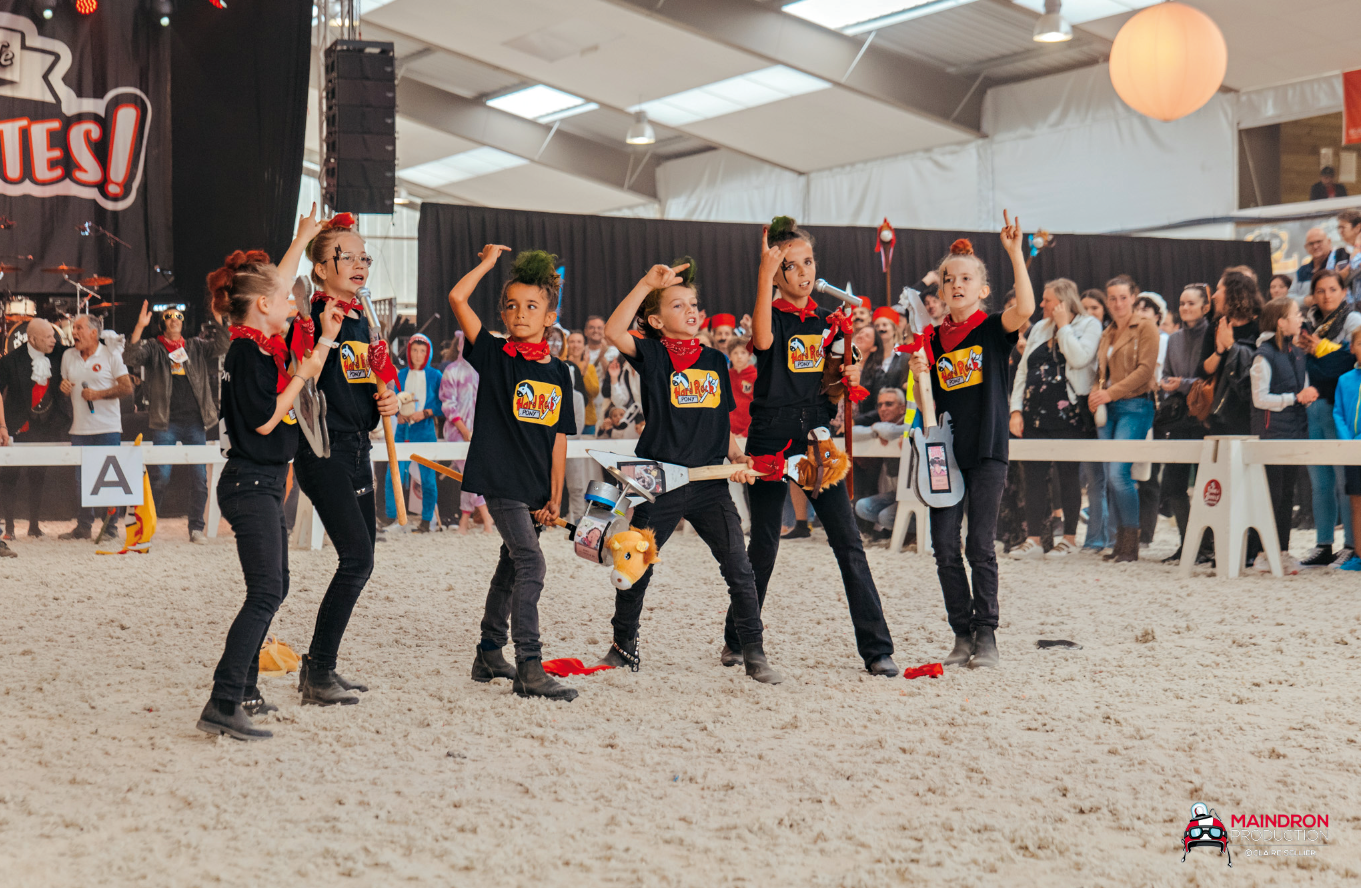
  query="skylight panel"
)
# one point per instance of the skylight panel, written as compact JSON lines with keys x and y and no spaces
{"x":732,"y":95}
{"x":458,"y":167}
{"x":542,"y":103}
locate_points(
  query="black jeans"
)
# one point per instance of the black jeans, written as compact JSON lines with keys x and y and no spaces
{"x":341,"y":491}
{"x":1176,"y":483}
{"x":770,"y":432}
{"x":1280,"y":481}
{"x":1037,"y":506}
{"x":251,"y":497}
{"x":983,"y":491}
{"x":709,"y":508}
{"x":513,"y":598}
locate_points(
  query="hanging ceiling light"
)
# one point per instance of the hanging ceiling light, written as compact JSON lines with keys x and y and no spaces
{"x":1052,"y":26}
{"x":641,"y":132}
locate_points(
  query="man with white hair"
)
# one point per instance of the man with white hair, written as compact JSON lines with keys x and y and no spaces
{"x":94,"y":377}
{"x":877,"y":511}
{"x":1322,"y":256}
{"x":30,"y":410}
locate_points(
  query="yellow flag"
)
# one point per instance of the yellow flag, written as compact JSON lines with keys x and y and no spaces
{"x":141,"y":525}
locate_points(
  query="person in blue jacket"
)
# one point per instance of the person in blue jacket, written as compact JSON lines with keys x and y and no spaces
{"x":421,"y":380}
{"x":1347,"y":418}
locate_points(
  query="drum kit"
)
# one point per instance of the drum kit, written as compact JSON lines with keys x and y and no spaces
{"x":19,"y":310}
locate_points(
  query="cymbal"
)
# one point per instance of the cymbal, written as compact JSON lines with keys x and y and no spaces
{"x":5,"y":268}
{"x":96,"y":281}
{"x":63,"y":269}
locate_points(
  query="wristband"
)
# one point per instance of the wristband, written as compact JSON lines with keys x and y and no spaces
{"x":329,"y":343}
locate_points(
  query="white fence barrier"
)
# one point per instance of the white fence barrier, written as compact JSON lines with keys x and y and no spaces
{"x":1230,"y":496}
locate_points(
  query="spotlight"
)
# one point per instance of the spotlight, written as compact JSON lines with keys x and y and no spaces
{"x":46,"y":7}
{"x":86,"y":7}
{"x":1052,"y":26}
{"x":163,"y":9}
{"x":641,"y":132}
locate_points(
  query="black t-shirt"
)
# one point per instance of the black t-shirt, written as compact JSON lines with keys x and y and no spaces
{"x":249,"y":393}
{"x":183,"y":405}
{"x":970,"y":383}
{"x":521,"y":407}
{"x":687,"y":410}
{"x":789,"y":373}
{"x":346,"y":380}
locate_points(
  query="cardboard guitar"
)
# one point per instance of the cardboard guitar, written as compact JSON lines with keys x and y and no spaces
{"x":933,"y":474}
{"x":650,"y":478}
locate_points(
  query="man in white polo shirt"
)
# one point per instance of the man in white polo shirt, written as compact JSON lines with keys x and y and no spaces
{"x":94,"y":377}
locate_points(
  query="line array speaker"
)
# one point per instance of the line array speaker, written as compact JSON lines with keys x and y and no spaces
{"x":360,"y":163}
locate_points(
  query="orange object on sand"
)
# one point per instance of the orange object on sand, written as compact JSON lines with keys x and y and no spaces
{"x":277,"y":659}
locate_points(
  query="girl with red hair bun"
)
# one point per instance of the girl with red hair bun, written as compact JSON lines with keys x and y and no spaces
{"x":259,"y":433}
{"x":340,"y":485}
{"x":967,"y":360}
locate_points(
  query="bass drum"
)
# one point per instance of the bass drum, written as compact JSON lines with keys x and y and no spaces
{"x":16,"y":334}
{"x":21,"y":306}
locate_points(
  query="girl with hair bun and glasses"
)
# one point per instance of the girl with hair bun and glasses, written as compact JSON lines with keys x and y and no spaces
{"x":259,"y":434}
{"x":788,"y":403}
{"x":341,"y":486}
{"x":967,"y":358}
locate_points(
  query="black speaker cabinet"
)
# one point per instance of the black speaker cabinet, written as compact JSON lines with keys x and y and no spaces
{"x":360,"y":151}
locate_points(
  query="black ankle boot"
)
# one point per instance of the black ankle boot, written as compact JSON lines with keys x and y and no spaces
{"x":319,"y":686}
{"x":757,"y":667}
{"x":729,"y":657}
{"x":254,"y":703}
{"x":623,"y":654}
{"x":226,"y":717}
{"x":532,"y":681}
{"x":491,"y":664}
{"x":985,"y":648}
{"x":963,"y":650}
{"x":341,"y":680}
{"x":799,"y":532}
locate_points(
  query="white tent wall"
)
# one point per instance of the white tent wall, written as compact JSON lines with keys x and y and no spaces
{"x":1063,"y":150}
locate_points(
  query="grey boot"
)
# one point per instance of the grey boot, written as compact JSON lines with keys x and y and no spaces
{"x":729,"y":657}
{"x":341,"y":680}
{"x":320,"y":688}
{"x":883,"y":666}
{"x":985,"y":648}
{"x":532,"y":681}
{"x":225,"y":717}
{"x":491,"y":664}
{"x":757,"y":667}
{"x":964,"y":648}
{"x":623,"y":655}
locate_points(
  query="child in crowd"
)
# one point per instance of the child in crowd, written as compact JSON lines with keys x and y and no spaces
{"x":688,"y":401}
{"x":968,"y":353}
{"x":721,"y":327}
{"x":1280,"y":394}
{"x":1347,"y":418}
{"x":789,"y":402}
{"x":259,"y":434}
{"x":742,"y":378}
{"x":518,"y":458}
{"x":458,"y":397}
{"x":422,"y":382}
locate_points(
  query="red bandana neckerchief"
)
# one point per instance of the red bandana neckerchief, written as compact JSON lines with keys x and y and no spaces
{"x":771,"y":466}
{"x":304,"y":336}
{"x":274,"y":346}
{"x":170,"y":345}
{"x":683,"y":352}
{"x":781,"y":304}
{"x":345,"y":307}
{"x":952,"y":332}
{"x":530,"y":351}
{"x":837,"y":322}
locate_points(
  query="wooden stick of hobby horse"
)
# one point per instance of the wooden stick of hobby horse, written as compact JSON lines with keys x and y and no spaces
{"x":394,"y":471}
{"x":431,"y":464}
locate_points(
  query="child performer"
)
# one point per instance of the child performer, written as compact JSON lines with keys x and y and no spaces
{"x":1280,"y":394}
{"x":969,"y":351}
{"x":341,"y":486}
{"x":789,"y":402}
{"x":422,"y":381}
{"x":260,"y":436}
{"x":1347,"y":418}
{"x":742,"y":376}
{"x":687,"y":400}
{"x":518,"y":458}
{"x":458,"y":393}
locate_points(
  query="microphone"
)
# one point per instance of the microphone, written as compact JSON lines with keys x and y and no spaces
{"x":83,"y":386}
{"x":845,"y":295}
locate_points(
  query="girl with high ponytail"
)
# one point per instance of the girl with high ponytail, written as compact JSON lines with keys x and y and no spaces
{"x":966,"y":358}
{"x":259,"y":434}
{"x":788,"y":404}
{"x":687,"y":396}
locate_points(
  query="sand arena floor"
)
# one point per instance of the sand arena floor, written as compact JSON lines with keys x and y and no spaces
{"x":1060,"y":768}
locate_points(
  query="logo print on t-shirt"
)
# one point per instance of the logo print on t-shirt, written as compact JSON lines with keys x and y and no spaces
{"x":960,"y":368}
{"x":537,"y":402}
{"x":805,"y":353}
{"x":695,"y":388}
{"x":354,"y":360}
{"x":290,"y":418}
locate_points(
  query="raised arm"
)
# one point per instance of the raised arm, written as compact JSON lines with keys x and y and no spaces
{"x":658,"y":277}
{"x":1016,"y":317}
{"x":467,"y":319}
{"x":308,"y":228}
{"x":762,"y":334}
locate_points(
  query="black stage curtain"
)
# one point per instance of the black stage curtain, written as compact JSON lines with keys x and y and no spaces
{"x":239,"y":93}
{"x":604,"y":256}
